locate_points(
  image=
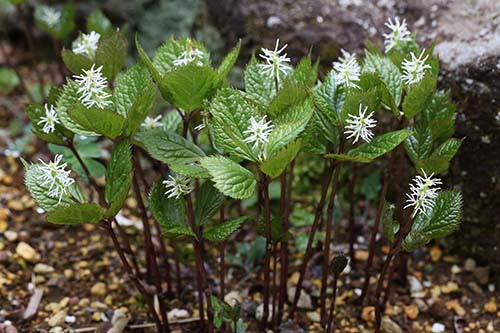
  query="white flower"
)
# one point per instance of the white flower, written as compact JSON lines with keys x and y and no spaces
{"x":414,"y":69}
{"x":423,"y":193}
{"x":50,"y":16}
{"x":86,"y":44}
{"x":189,"y":55}
{"x":92,"y":88}
{"x":152,"y":122}
{"x":177,"y":186}
{"x":259,"y":132}
{"x":347,"y":69}
{"x":56,"y":177}
{"x":275,"y":62}
{"x":399,"y":33}
{"x":50,"y":120}
{"x":360,"y":126}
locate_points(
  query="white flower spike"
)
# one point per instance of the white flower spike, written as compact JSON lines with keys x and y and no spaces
{"x":177,"y":186}
{"x":347,"y":70}
{"x":86,"y":44}
{"x":258,"y":133}
{"x":50,"y":16}
{"x":50,"y":120}
{"x":152,"y":122}
{"x":92,"y":88}
{"x":56,"y":177}
{"x":276,"y":63}
{"x":399,"y":33}
{"x":189,"y":55}
{"x":423,"y":193}
{"x":360,"y":125}
{"x":414,"y":69}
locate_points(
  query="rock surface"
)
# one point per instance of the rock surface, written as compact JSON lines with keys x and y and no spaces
{"x":468,"y":44}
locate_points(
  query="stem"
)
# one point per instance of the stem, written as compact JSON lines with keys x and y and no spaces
{"x":178,"y":279}
{"x":330,"y":327}
{"x":328,"y":240}
{"x":352,"y":222}
{"x":127,"y":245}
{"x":264,"y":183}
{"x":222,"y":265}
{"x":327,"y":177}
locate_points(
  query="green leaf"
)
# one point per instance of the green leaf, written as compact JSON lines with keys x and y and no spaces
{"x":289,"y":95}
{"x":188,"y":86}
{"x":147,"y":62}
{"x":99,"y":23}
{"x":100,"y":121}
{"x":119,"y":171}
{"x":419,"y":96}
{"x":442,"y":221}
{"x":259,"y":86}
{"x":169,"y":212}
{"x":419,"y":144}
{"x":448,"y":149}
{"x":140,"y":109}
{"x":208,"y":202}
{"x":229,"y":177}
{"x":129,"y":86}
{"x":62,"y":27}
{"x":191,"y":170}
{"x":111,"y":53}
{"x":329,"y":98}
{"x":229,"y":61}
{"x":274,"y":166}
{"x":8,"y":80}
{"x":306,"y":73}
{"x":222,"y":231}
{"x":117,"y":203}
{"x":433,"y":164}
{"x":169,"y":147}
{"x":389,"y":225}
{"x":371,"y":99}
{"x":76,"y":63}
{"x":76,"y":214}
{"x":349,"y":158}
{"x":440,"y":115}
{"x":388,"y":72}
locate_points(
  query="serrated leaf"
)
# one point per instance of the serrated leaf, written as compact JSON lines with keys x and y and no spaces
{"x":419,"y":96}
{"x":191,"y":170}
{"x":259,"y":86}
{"x":371,"y":99}
{"x":188,"y":86}
{"x":289,"y":95}
{"x":118,"y":172}
{"x":419,"y":144}
{"x":129,"y":86}
{"x":208,"y":202}
{"x":140,"y":109}
{"x":110,"y":54}
{"x":433,"y":164}
{"x":229,"y":61}
{"x":389,"y":225}
{"x":95,"y":120}
{"x":76,"y":63}
{"x":99,"y":23}
{"x":169,"y":147}
{"x":448,"y":149}
{"x":388,"y":72}
{"x":117,"y":203}
{"x":222,"y":231}
{"x":439,"y":115}
{"x":329,"y":98}
{"x":274,"y":166}
{"x":169,"y":212}
{"x":229,"y":177}
{"x":443,"y":220}
{"x":76,"y":214}
{"x":306,"y":73}
{"x":147,"y":62}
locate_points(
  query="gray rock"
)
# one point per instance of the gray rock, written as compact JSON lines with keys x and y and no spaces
{"x":389,"y":326}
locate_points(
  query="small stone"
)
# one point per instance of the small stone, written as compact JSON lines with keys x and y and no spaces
{"x":411,"y":312}
{"x":70,"y":319}
{"x":233,"y":297}
{"x":455,"y":269}
{"x":41,"y":268}
{"x":98,"y":289}
{"x":57,"y":329}
{"x":368,"y":314}
{"x":416,"y":287}
{"x":482,"y":275}
{"x":25,"y":251}
{"x":97,"y":316}
{"x":389,"y":326}
{"x":456,"y":307}
{"x":438,"y":328}
{"x":469,"y":265}
{"x":313,"y":316}
{"x":491,"y":306}
{"x":436,"y":253}
{"x":259,"y":313}
{"x":57,"y":319}
{"x":4,"y":257}
{"x":449,"y":287}
{"x":176,"y":314}
{"x":10,"y":235}
{"x":305,"y":301}
{"x":361,"y":255}
{"x":3,"y":225}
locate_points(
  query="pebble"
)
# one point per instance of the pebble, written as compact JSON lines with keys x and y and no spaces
{"x":438,"y":328}
{"x":416,"y":287}
{"x":361,"y":255}
{"x":491,"y":306}
{"x":4,"y":257}
{"x":482,"y":274}
{"x":411,"y":312}
{"x":41,"y":268}
{"x":10,"y":235}
{"x":3,"y":225}
{"x":98,"y":289}
{"x":368,"y":314}
{"x":389,"y":326}
{"x":25,"y":251}
{"x":455,"y":269}
{"x":259,"y":313}
{"x":313,"y":316}
{"x":176,"y":314}
{"x":469,"y":265}
{"x":456,"y":307}
{"x":57,"y":319}
{"x":435,"y":253}
{"x":305,"y":301}
{"x":70,"y":319}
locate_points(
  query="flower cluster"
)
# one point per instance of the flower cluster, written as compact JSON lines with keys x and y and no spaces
{"x":86,"y":44}
{"x":399,"y":33}
{"x":258,"y":134}
{"x":150,"y":122}
{"x":56,"y":177}
{"x":414,"y":69}
{"x":190,"y":55}
{"x":347,"y":70}
{"x":177,"y":186}
{"x":50,"y":119}
{"x":92,"y":88}
{"x":50,"y":16}
{"x":276,"y":63}
{"x":423,"y":193}
{"x":360,"y":125}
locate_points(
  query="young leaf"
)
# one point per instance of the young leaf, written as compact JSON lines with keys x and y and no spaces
{"x":188,"y":86}
{"x":419,"y":144}
{"x":190,"y":170}
{"x":289,"y":95}
{"x":306,"y":73}
{"x":169,"y":147}
{"x":388,"y":72}
{"x":147,"y":62}
{"x":140,"y":109}
{"x":100,"y":121}
{"x":221,"y":232}
{"x":389,"y":225}
{"x":118,"y":172}
{"x":439,"y":115}
{"x":208,"y":202}
{"x":76,"y":214}
{"x":329,"y":98}
{"x":419,"y":96}
{"x":229,"y":61}
{"x":443,"y":220}
{"x":433,"y":164}
{"x":229,"y":177}
{"x":110,"y":54}
{"x":274,"y":166}
{"x":371,"y":99}
{"x":259,"y":86}
{"x":448,"y":149}
{"x":129,"y":86}
{"x":75,"y":62}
